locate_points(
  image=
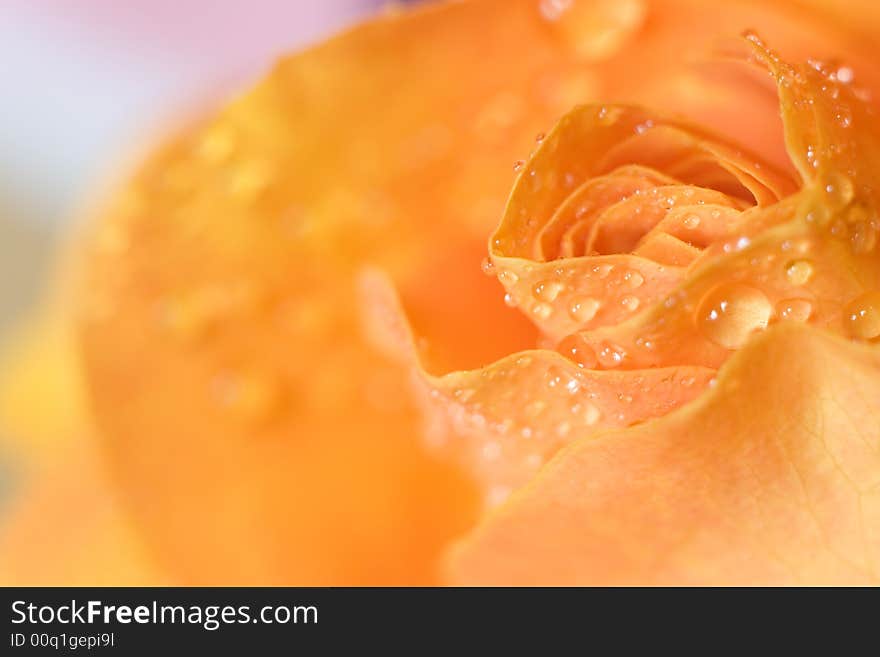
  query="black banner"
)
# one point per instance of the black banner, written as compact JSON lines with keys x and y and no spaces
{"x":127,"y":621}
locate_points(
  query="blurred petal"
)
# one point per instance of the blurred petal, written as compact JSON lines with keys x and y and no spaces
{"x":70,"y":503}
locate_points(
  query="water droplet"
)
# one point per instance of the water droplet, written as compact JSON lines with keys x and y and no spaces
{"x":731,"y":312}
{"x":548,"y":290}
{"x":463,"y":394}
{"x":610,"y":355}
{"x":839,"y":189}
{"x":642,"y":128}
{"x":608,"y":116}
{"x":539,"y":138}
{"x":630,"y":302}
{"x":603,"y":271}
{"x":583,"y":309}
{"x":510,"y":300}
{"x":591,"y":414}
{"x":518,"y":165}
{"x":507,"y":277}
{"x":864,"y":227}
{"x":542,"y":310}
{"x":794,"y":310}
{"x":634,"y":278}
{"x":844,"y":74}
{"x":488,"y":267}
{"x":577,"y":349}
{"x":862,"y":316}
{"x":799,"y":272}
{"x":691,"y":222}
{"x":562,"y":381}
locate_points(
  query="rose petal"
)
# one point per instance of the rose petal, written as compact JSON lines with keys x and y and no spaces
{"x":218,"y":323}
{"x":729,"y":490}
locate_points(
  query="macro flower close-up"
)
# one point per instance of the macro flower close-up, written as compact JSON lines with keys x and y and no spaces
{"x":472,"y":293}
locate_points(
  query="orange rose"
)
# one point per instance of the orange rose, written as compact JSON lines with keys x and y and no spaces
{"x":298,"y":374}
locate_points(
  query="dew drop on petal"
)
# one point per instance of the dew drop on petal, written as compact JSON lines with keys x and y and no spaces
{"x":548,"y":290}
{"x":610,"y":355}
{"x":862,"y":316}
{"x":591,"y":414}
{"x":603,"y":271}
{"x":631,"y":303}
{"x":583,"y":309}
{"x":542,"y":310}
{"x":691,"y":221}
{"x":839,"y":188}
{"x":634,"y":278}
{"x":487,"y":267}
{"x":507,"y":277}
{"x":844,"y":74}
{"x":577,"y":349}
{"x":799,"y":272}
{"x":731,"y":312}
{"x":794,"y":310}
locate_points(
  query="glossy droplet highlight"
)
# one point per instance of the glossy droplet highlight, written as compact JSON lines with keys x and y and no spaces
{"x":548,"y":290}
{"x":794,"y":310}
{"x":731,"y":312}
{"x":634,"y":279}
{"x":610,"y":355}
{"x":487,"y":267}
{"x":691,"y":222}
{"x":576,"y":348}
{"x":631,"y":303}
{"x":588,"y":412}
{"x":507,"y":277}
{"x":839,"y":189}
{"x":542,"y":310}
{"x":799,"y":272}
{"x":583,"y":309}
{"x":862,"y":316}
